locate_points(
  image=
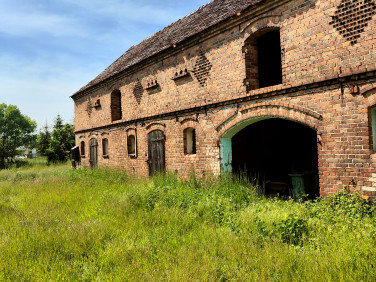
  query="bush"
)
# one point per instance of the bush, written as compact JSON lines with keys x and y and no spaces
{"x":292,"y":230}
{"x":351,"y":204}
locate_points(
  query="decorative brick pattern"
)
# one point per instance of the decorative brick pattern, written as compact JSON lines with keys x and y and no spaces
{"x":202,"y":69}
{"x":291,"y":112}
{"x":89,"y":107}
{"x":138,"y":91}
{"x":352,"y":16}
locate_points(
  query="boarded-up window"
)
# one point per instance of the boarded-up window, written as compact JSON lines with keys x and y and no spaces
{"x":131,"y":143}
{"x":189,"y":135}
{"x":116,"y":113}
{"x":105,"y":147}
{"x":82,"y":148}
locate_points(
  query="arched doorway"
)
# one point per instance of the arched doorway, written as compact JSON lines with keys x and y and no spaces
{"x":280,"y":154}
{"x":93,"y":158}
{"x":156,"y":151}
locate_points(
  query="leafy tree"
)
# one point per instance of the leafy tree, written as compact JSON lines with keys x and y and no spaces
{"x":44,"y":140}
{"x":16,"y":130}
{"x":62,"y":140}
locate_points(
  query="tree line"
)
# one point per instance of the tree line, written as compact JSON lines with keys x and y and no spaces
{"x":18,"y":133}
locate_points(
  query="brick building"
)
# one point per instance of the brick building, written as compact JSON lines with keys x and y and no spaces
{"x":273,"y":88}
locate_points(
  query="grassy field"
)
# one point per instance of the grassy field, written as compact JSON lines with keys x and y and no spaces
{"x":60,"y":224}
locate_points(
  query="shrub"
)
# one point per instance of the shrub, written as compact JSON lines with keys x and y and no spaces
{"x":351,"y":204}
{"x":292,"y":230}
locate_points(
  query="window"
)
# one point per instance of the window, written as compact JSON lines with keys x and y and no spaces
{"x":116,"y":113}
{"x":105,"y":147}
{"x":131,"y":143}
{"x":373,"y":127}
{"x":82,"y":149}
{"x":189,"y":136}
{"x":263,"y":59}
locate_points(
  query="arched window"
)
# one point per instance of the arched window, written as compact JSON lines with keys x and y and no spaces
{"x":189,"y":136}
{"x":131,"y":144}
{"x":263,"y":59}
{"x":82,"y":149}
{"x":105,"y":147}
{"x":116,"y":113}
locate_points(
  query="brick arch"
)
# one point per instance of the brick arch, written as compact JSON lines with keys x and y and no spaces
{"x":156,"y":125}
{"x":253,"y":113}
{"x":264,"y":22}
{"x":189,"y":123}
{"x":250,"y":114}
{"x":369,"y":94}
{"x":131,"y":130}
{"x":261,"y":69}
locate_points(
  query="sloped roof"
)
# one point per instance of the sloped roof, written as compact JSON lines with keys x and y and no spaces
{"x":192,"y":24}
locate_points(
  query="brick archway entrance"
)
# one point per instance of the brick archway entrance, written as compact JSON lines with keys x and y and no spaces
{"x":279,"y":146}
{"x":275,"y":153}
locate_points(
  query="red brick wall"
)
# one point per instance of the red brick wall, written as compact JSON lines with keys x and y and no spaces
{"x":314,"y":56}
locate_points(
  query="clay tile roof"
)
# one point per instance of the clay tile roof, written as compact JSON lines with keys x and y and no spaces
{"x":192,"y":24}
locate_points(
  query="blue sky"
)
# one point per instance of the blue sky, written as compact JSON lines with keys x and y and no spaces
{"x":51,"y":48}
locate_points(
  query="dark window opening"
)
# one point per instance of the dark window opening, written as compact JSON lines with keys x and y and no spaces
{"x":116,"y":113}
{"x":269,"y":59}
{"x":277,"y":154}
{"x":105,"y":147}
{"x":82,"y":148}
{"x":189,"y":136}
{"x":263,"y":60}
{"x":131,"y":144}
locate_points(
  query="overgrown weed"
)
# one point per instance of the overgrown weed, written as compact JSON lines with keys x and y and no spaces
{"x":104,"y":224}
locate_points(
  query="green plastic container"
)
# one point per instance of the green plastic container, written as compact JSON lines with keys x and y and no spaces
{"x":302,"y":184}
{"x":298,"y":188}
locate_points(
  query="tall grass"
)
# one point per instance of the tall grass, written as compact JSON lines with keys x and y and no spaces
{"x":61,"y":224}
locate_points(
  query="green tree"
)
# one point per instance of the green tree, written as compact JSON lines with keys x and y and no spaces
{"x":62,"y":140}
{"x":44,"y":140}
{"x":16,"y":131}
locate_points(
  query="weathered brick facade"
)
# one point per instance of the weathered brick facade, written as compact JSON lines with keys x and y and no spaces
{"x":209,"y":81}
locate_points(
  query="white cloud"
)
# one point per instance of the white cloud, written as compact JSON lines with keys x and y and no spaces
{"x":20,"y":23}
{"x":41,"y":96}
{"x":49,"y":49}
{"x":151,"y":12}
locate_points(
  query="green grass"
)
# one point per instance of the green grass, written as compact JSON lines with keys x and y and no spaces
{"x":60,"y":224}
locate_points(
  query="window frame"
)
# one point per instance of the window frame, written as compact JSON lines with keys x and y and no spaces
{"x":193,"y":149}
{"x":82,"y":149}
{"x":105,"y":148}
{"x":116,"y":111}
{"x":252,"y":56}
{"x":132,"y":154}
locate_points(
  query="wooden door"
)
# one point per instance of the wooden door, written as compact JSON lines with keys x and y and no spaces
{"x":156,"y":151}
{"x":93,"y":153}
